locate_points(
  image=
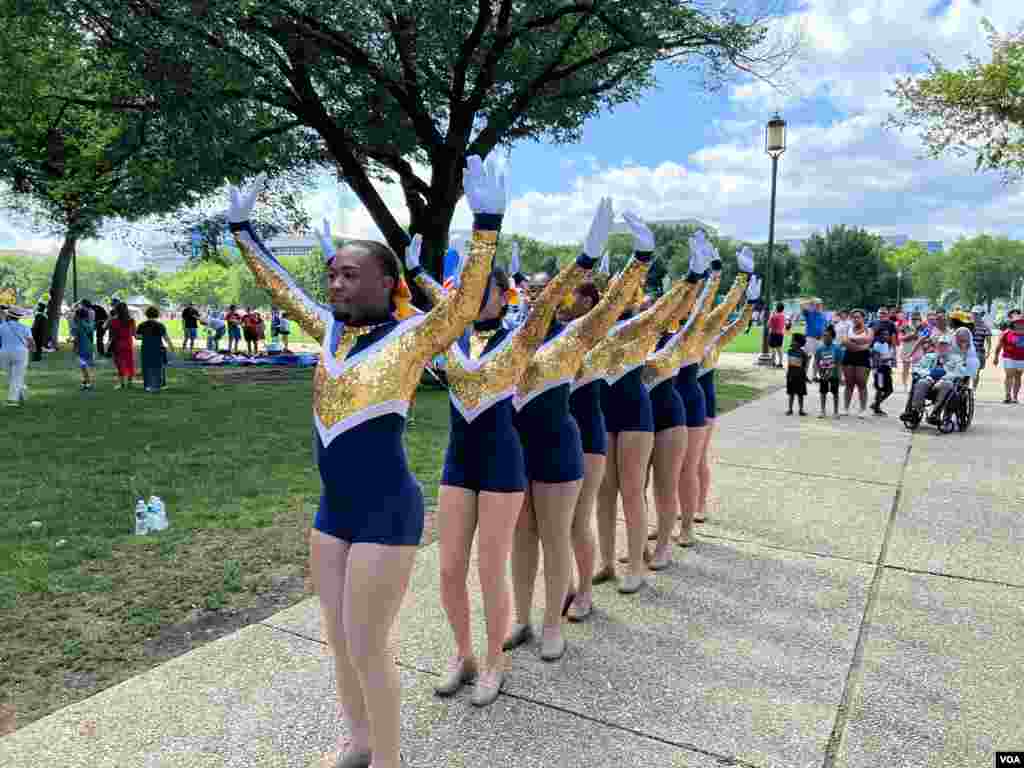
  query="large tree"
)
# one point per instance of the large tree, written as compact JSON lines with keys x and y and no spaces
{"x":846,"y":268}
{"x":402,"y":91}
{"x":80,"y":145}
{"x":983,"y":268}
{"x":977,"y":110}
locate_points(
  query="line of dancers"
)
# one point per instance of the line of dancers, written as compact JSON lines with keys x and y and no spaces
{"x":552,"y":420}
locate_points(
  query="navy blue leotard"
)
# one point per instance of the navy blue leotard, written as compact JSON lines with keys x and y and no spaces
{"x":666,"y":404}
{"x":485,"y":454}
{"x":693,"y":396}
{"x":549,"y":434}
{"x":585,"y":406}
{"x":707,"y":385}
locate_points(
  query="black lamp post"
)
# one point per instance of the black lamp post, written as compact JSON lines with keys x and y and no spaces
{"x":774,"y":145}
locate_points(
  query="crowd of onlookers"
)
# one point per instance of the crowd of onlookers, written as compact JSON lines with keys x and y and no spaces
{"x":97,"y":332}
{"x":846,"y":348}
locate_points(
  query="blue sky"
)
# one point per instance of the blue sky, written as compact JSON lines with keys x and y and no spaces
{"x":680,"y":152}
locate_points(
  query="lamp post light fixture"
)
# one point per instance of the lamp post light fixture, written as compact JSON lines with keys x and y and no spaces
{"x":774,"y":146}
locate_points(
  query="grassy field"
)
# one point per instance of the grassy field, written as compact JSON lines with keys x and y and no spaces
{"x":751,"y":342}
{"x":83,"y":602}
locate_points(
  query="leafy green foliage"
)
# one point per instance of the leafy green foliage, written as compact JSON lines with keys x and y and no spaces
{"x":976,"y":110}
{"x":846,"y":268}
{"x":383,"y":90}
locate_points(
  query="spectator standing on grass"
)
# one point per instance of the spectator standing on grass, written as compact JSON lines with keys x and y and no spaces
{"x":122,"y":342}
{"x":252,"y":328}
{"x":153,"y":334}
{"x":797,"y":362}
{"x":190,"y":327}
{"x":83,"y":337}
{"x":776,"y":334}
{"x":15,"y":343}
{"x":234,"y":322}
{"x":284,"y":328}
{"x":813,"y":312}
{"x":827,"y":360}
{"x":39,"y":333}
{"x":101,"y":318}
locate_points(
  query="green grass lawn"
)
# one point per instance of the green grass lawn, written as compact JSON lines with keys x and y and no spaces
{"x":83,"y":600}
{"x":751,"y":342}
{"x":174,"y":328}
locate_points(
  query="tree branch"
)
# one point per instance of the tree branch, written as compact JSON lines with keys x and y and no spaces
{"x":484,"y":15}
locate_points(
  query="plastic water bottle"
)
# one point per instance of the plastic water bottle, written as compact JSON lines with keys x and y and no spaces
{"x":141,"y":518}
{"x":158,"y":515}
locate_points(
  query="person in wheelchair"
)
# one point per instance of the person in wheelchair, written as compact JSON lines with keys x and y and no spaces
{"x":935,"y":378}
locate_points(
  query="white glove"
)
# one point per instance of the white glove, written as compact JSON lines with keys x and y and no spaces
{"x":712,"y":255}
{"x":605,"y":267}
{"x":513,"y":262}
{"x":485,"y":185}
{"x":412,"y":252}
{"x":754,"y":288}
{"x":326,"y":241}
{"x":643,"y":238}
{"x":240,"y":207}
{"x":699,"y":260}
{"x":600,"y":228}
{"x":745,"y":260}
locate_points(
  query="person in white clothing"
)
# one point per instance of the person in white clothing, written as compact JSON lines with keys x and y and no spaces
{"x":15,"y":345}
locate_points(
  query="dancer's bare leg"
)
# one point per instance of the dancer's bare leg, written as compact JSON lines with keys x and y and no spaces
{"x":525,"y":558}
{"x":669,"y":452}
{"x":633,"y":456}
{"x":456,"y":524}
{"x":555,"y":504}
{"x":704,"y":475}
{"x":689,"y":486}
{"x":608,"y":508}
{"x":329,"y":558}
{"x":378,"y":577}
{"x":583,"y":542}
{"x":498,"y":515}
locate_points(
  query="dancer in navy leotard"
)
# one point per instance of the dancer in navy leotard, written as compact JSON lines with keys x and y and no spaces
{"x":626,"y":405}
{"x":554,"y":452}
{"x":706,"y":379}
{"x":371,"y":512}
{"x":585,"y":405}
{"x":670,"y":436}
{"x":689,"y":354}
{"x":484,"y":476}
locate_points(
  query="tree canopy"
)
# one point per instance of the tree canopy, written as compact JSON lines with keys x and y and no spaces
{"x":403,"y":91}
{"x":846,"y":268}
{"x":977,"y":110}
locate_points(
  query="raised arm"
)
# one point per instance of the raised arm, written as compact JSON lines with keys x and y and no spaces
{"x":432,"y":289}
{"x":535,"y":327}
{"x":486,"y":191}
{"x":737,"y":326}
{"x":717,"y":317}
{"x":313,"y":317}
{"x":594,"y":326}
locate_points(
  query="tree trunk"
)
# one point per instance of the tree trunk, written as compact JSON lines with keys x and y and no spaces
{"x":58,"y":284}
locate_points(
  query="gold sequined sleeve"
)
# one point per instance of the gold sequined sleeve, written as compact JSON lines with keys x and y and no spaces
{"x":695,"y":334}
{"x":434,"y":291}
{"x":716,"y":318}
{"x":543,"y":308}
{"x":659,"y":315}
{"x":594,"y":326}
{"x":458,"y":308}
{"x":314,"y":318}
{"x":730,"y":332}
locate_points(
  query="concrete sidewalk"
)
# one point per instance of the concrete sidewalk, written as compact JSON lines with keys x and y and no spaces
{"x":856,"y":600}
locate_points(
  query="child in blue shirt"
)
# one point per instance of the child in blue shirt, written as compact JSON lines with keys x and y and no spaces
{"x":827,"y":360}
{"x":85,"y":334}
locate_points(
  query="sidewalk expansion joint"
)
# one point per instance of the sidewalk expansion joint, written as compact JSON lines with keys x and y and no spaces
{"x":810,"y":474}
{"x":723,"y":760}
{"x":854,"y":675}
{"x":954,"y":577}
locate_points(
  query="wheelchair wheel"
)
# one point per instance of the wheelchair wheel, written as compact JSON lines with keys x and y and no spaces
{"x":911,"y":420}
